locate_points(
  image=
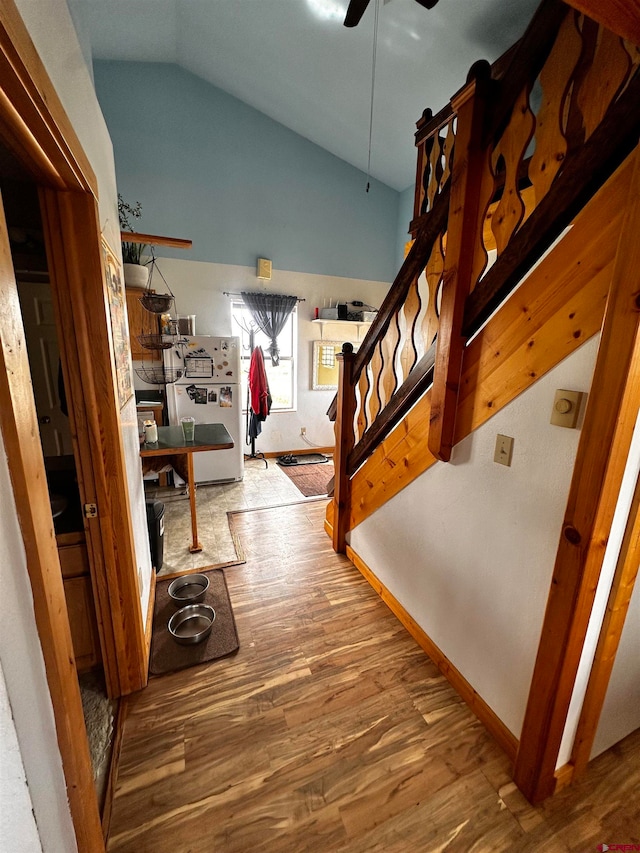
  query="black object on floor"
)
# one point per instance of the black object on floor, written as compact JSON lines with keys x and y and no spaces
{"x":303,"y":459}
{"x":155,"y":526}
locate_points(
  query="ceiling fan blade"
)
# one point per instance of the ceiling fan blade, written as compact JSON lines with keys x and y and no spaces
{"x":355,"y":11}
{"x":428,"y":4}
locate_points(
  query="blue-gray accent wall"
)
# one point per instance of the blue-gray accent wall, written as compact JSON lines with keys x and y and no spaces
{"x":206,"y":166}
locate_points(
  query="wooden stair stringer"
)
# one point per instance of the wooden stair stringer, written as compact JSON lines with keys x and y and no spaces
{"x":558,"y":306}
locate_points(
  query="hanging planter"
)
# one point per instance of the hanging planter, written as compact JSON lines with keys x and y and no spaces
{"x":157,"y":303}
{"x":156,"y":341}
{"x":159,"y":375}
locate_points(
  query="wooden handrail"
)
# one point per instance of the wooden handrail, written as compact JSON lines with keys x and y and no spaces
{"x":428,"y":124}
{"x":413,"y":265}
{"x":586,"y":171}
{"x":405,"y":397}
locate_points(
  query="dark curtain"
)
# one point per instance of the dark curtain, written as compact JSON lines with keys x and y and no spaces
{"x":270,"y":312}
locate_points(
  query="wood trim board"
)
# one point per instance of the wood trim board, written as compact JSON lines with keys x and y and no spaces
{"x":33,"y":121}
{"x":603,"y":448}
{"x":609,"y":640}
{"x":19,"y":424}
{"x":75,"y":257}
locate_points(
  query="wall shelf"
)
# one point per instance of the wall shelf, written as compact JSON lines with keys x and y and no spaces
{"x":339,"y":326}
{"x":155,"y":240}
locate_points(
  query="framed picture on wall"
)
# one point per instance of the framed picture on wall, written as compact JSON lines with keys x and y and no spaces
{"x":119,"y":326}
{"x":325,"y":364}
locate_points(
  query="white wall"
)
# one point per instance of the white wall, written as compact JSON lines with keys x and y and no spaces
{"x":28,"y":696}
{"x":18,"y":830}
{"x":621,"y":710}
{"x":469,"y":547}
{"x":198,"y":288}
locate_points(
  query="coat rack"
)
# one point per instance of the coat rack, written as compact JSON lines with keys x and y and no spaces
{"x":253,"y":455}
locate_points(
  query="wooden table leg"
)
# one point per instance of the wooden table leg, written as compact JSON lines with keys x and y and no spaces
{"x":195,"y":544}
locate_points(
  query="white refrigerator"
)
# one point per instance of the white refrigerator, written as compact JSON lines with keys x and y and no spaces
{"x":209,"y":391}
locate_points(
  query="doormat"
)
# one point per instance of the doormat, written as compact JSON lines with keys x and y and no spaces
{"x":303,"y":459}
{"x":169,"y":656}
{"x":311,"y":480}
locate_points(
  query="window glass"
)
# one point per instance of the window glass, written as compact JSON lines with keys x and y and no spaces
{"x":282,"y":379}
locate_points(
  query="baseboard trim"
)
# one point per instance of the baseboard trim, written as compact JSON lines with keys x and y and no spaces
{"x":564,"y":777}
{"x":494,"y":725}
{"x":121,"y":716}
{"x":149,"y":622}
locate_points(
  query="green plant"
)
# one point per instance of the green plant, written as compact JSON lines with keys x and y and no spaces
{"x":131,"y":252}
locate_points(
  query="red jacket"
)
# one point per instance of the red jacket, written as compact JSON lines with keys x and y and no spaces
{"x":259,"y":385}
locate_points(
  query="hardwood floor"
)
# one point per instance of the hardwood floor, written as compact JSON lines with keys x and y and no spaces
{"x":331,"y":730}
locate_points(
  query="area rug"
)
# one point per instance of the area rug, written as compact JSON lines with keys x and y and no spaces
{"x":169,"y":656}
{"x":311,"y":480}
{"x":302,"y":459}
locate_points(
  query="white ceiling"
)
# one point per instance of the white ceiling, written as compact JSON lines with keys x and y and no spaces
{"x":296,"y":62}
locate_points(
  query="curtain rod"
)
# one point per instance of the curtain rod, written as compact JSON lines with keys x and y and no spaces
{"x":227,"y":293}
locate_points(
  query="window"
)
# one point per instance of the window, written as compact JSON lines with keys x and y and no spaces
{"x":282,"y":379}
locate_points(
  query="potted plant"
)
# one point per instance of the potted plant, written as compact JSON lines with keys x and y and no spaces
{"x":136,"y":274}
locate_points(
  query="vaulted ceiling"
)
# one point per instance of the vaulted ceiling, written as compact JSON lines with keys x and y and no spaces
{"x":296,"y":62}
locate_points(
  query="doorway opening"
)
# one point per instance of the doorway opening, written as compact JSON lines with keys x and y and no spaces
{"x":37,"y":304}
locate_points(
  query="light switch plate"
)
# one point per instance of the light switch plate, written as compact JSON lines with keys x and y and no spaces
{"x":566,"y":408}
{"x":504,"y":450}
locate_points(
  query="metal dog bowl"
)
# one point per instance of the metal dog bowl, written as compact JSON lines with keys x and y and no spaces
{"x":191,"y":624}
{"x":188,"y":589}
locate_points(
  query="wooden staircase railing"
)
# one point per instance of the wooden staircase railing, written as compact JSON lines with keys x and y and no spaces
{"x":501,"y":172}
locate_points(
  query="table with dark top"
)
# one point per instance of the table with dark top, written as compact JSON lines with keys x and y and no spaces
{"x":171,"y":449}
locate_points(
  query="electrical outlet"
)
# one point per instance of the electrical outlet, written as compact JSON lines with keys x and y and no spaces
{"x":303,"y":430}
{"x":504,"y":450}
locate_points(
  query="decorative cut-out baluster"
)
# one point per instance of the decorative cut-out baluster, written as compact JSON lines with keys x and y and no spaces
{"x":485,"y":241}
{"x":389,"y":380}
{"x":360,"y":423}
{"x":436,"y":169}
{"x":419,"y":191}
{"x":364,"y":388}
{"x":604,"y":80}
{"x":433,"y":277}
{"x":447,"y":151}
{"x":375,"y":403}
{"x":573,"y":121}
{"x":511,"y":149}
{"x":555,"y":79}
{"x":401,"y":324}
{"x":426,"y":175}
{"x":634,"y":55}
{"x":410,"y":309}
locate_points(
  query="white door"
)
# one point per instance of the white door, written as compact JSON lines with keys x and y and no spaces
{"x":44,"y":355}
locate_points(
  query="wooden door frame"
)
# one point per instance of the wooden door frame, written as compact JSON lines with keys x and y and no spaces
{"x":603,"y":450}
{"x":35,"y":127}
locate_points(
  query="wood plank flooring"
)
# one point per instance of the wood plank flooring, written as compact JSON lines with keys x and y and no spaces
{"x":330,"y":730}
